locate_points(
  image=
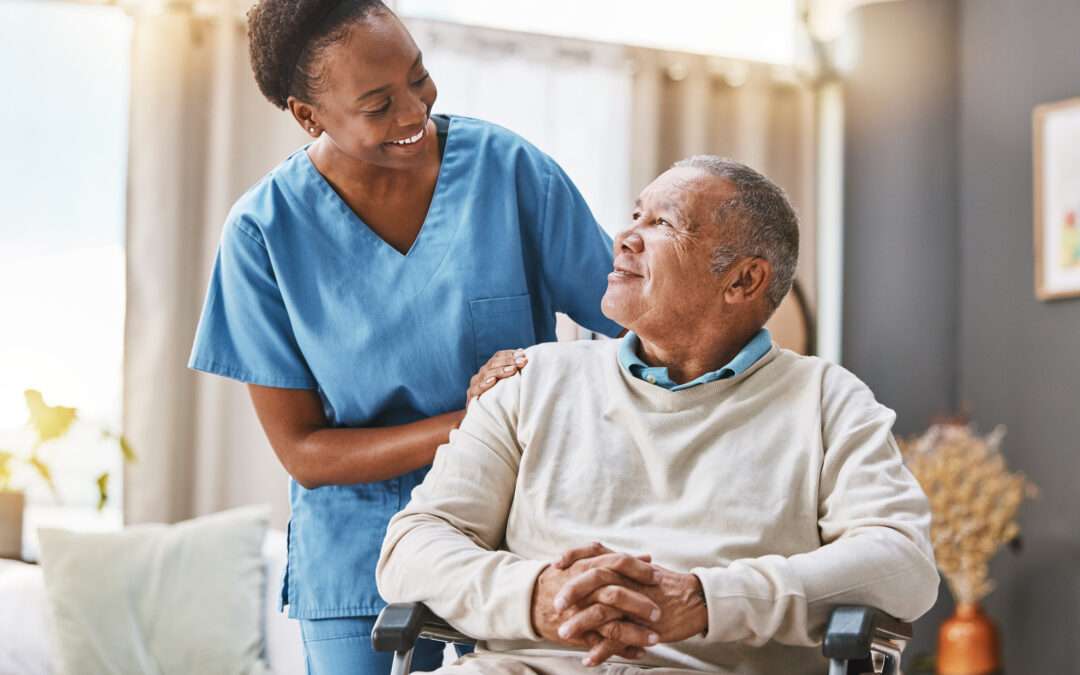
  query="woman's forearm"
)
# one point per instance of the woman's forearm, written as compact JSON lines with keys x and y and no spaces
{"x":316,"y":454}
{"x":341,"y":456}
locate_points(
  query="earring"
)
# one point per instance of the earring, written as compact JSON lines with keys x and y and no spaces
{"x":311,"y":129}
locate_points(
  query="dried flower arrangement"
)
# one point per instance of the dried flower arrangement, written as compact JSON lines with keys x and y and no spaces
{"x":973,"y":498}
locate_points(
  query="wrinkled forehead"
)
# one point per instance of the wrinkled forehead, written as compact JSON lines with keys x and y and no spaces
{"x":694,"y":193}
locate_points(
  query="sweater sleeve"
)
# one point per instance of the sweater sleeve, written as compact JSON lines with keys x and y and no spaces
{"x":874,"y":523}
{"x":442,"y":549}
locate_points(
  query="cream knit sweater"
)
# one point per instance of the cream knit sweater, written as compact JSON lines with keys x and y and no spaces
{"x":782,"y":489}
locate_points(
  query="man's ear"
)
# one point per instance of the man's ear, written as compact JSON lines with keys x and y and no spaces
{"x":748,"y":280}
{"x":304,"y":114}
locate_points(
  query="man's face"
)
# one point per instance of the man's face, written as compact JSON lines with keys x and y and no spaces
{"x":663,"y":281}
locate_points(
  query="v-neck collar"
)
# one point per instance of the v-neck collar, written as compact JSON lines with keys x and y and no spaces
{"x":327,"y":191}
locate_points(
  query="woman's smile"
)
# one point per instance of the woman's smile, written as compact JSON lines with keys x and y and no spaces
{"x":411,"y":139}
{"x":409,"y":145}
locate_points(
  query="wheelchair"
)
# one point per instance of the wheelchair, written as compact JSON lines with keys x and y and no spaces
{"x":858,"y":640}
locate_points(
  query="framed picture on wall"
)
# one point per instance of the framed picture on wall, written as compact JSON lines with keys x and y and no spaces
{"x":1057,"y":200}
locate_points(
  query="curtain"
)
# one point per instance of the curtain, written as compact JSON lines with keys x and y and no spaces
{"x":200,"y":134}
{"x":757,"y":114}
{"x":614,"y":117}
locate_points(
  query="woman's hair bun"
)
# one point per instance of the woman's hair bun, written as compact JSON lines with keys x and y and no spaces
{"x":285,"y":35}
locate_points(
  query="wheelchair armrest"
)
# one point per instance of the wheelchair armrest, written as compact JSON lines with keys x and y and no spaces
{"x":852,"y":629}
{"x":401,"y":623}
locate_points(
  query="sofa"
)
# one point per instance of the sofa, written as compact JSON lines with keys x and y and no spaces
{"x":27,"y":646}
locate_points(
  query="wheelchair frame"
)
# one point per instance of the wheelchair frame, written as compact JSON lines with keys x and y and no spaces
{"x":858,"y":640}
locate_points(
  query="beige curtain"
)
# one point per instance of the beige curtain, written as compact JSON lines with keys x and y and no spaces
{"x":200,"y":134}
{"x":757,"y":114}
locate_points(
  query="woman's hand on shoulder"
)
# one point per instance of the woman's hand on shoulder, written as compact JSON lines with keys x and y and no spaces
{"x":502,"y":364}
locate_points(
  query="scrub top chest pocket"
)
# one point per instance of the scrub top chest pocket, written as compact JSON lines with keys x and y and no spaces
{"x":501,"y":323}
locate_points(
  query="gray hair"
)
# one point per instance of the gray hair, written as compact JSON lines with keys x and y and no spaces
{"x":761,"y":219}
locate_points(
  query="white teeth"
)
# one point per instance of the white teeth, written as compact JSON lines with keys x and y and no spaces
{"x":410,"y":140}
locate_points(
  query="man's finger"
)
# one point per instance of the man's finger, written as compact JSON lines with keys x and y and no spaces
{"x":575,"y":554}
{"x":584,"y":585}
{"x":628,"y":633}
{"x":598,"y":550}
{"x":587,"y":621}
{"x":611,"y":589}
{"x":607,"y":621}
{"x":632,"y":653}
{"x":636,"y":605}
{"x":629,"y":566}
{"x":601,"y":651}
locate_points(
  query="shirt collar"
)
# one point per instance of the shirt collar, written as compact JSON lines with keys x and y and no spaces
{"x":753,"y":350}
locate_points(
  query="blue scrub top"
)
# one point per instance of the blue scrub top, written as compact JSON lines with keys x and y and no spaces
{"x":304,"y":295}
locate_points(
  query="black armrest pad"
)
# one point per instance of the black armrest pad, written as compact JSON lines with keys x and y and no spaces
{"x":399,"y":625}
{"x":851,"y":629}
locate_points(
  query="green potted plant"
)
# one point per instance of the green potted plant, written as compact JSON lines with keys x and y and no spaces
{"x":48,"y":425}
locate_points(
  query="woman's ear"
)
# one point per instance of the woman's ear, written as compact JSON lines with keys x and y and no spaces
{"x":304,"y":114}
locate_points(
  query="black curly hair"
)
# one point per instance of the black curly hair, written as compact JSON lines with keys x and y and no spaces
{"x":286,"y":36}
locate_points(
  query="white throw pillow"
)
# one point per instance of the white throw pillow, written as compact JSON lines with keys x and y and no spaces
{"x":160,"y":599}
{"x":25,"y":647}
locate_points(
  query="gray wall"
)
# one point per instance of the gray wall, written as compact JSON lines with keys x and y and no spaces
{"x":900,"y":238}
{"x":1019,"y":357}
{"x":901,"y":204}
{"x":939,"y":304}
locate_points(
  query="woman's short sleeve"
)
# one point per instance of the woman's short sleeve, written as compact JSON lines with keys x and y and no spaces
{"x":576,"y":255}
{"x":245,"y":332}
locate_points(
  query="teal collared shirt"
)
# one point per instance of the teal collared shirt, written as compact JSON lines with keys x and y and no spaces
{"x":757,"y":347}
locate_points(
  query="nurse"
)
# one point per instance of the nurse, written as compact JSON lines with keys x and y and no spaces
{"x":370,"y":283}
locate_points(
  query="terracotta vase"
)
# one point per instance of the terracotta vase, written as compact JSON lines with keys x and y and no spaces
{"x":968,"y":643}
{"x":11,"y":522}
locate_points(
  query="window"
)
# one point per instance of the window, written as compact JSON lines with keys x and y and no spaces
{"x":762,"y":30}
{"x":62,"y":233}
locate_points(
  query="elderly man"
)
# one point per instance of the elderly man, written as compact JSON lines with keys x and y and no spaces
{"x":740,"y":490}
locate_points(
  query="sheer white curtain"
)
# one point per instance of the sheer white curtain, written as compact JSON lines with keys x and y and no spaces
{"x":569,"y":98}
{"x":200,"y":135}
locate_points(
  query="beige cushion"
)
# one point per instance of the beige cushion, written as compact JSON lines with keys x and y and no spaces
{"x":160,"y":599}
